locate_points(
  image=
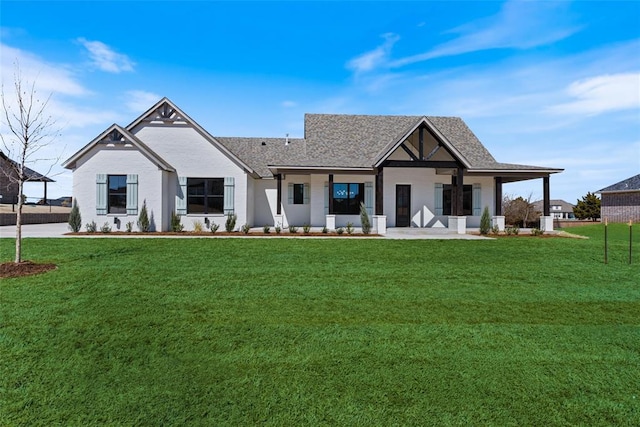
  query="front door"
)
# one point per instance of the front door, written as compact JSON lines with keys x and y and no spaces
{"x":403,"y":205}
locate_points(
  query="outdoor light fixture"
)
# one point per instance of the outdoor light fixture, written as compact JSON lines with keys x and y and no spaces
{"x":206,"y":221}
{"x":116,"y":220}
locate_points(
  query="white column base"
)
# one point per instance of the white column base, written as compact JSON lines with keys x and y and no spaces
{"x":330,"y":222}
{"x":379,"y":224}
{"x":498,"y":221}
{"x":546,"y":223}
{"x":458,"y":224}
{"x":278,"y":220}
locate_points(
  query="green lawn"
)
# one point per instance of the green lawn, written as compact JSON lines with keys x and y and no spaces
{"x":513,"y":331}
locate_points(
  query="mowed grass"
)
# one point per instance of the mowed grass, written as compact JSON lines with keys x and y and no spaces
{"x":513,"y":331}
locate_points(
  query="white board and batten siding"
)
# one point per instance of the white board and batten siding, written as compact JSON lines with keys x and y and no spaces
{"x":193,"y":156}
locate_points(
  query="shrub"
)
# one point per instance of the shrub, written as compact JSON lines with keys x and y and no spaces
{"x":306,"y":228}
{"x":278,"y":229}
{"x":230,"y":223}
{"x":91,"y":227}
{"x":349,"y":228}
{"x":536,"y":232}
{"x":106,"y":228}
{"x":214,"y":227}
{"x":512,"y":230}
{"x":293,"y":229}
{"x":364,"y":219}
{"x":325,"y":230}
{"x":485,"y":221}
{"x":129,"y":226}
{"x":143,"y":218}
{"x":339,"y":230}
{"x":266,"y":229}
{"x":176,"y":224}
{"x":75,"y":220}
{"x":198,"y":226}
{"x":495,"y":229}
{"x":245,"y":228}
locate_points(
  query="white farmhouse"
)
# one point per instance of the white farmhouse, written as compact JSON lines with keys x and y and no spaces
{"x":408,"y":171}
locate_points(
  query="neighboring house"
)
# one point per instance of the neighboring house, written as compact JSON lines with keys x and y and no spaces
{"x":8,"y":179}
{"x":620,"y":202}
{"x":559,"y":209}
{"x":414,"y":171}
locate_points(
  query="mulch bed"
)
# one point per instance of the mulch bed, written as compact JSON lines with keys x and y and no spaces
{"x":24,"y":268}
{"x":221,"y":233}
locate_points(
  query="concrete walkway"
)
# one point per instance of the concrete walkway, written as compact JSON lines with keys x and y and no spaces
{"x":36,"y":230}
{"x":59,"y":230}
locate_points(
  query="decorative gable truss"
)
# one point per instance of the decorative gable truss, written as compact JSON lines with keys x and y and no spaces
{"x":165,"y":113}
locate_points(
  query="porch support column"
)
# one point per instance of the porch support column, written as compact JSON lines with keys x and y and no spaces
{"x":460,"y":192}
{"x":379,"y":192}
{"x":279,"y":194}
{"x":457,"y":220}
{"x":379,"y":219}
{"x":498,"y":196}
{"x":46,"y":202}
{"x":498,"y":219}
{"x":330,"y":194}
{"x":421,"y":143}
{"x":546,"y":221}
{"x":546,"y":196}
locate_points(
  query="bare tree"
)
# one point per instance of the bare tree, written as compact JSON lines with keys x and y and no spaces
{"x":28,"y":130}
{"x":518,"y":210}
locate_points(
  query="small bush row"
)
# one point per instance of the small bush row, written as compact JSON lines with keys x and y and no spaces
{"x":143,"y":224}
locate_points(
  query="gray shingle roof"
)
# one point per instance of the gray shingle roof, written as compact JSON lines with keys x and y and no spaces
{"x":260,"y":152}
{"x":359,"y":141}
{"x":629,"y":184}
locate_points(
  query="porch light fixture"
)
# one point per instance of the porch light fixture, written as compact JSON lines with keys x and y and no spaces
{"x":116,"y":220}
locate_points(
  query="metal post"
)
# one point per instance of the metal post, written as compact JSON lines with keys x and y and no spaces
{"x":630,"y":238}
{"x":605,"y":241}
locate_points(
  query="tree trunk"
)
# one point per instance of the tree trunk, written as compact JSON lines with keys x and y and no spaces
{"x":19,"y":223}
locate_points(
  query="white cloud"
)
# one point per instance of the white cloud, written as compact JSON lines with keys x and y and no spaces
{"x":105,"y":58}
{"x":375,"y":58}
{"x":139,"y":101}
{"x":518,"y":25}
{"x":49,"y":78}
{"x":289,"y":104}
{"x":600,"y":94}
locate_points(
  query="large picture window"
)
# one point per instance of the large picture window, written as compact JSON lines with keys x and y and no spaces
{"x":205,"y":195}
{"x":117,"y":197}
{"x":467,"y":199}
{"x":347,"y":198}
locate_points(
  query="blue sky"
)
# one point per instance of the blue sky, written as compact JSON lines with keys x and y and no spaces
{"x":549,"y":83}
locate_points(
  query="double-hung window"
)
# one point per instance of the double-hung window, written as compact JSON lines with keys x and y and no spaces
{"x":205,"y":195}
{"x":347,"y":198}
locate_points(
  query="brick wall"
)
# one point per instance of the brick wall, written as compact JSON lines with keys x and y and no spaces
{"x":621,"y":207}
